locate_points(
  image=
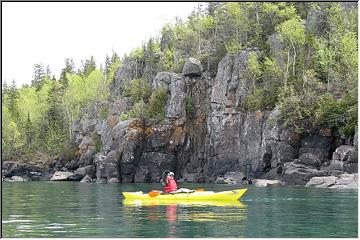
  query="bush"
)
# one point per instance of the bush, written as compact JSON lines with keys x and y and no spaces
{"x":138,"y":110}
{"x":124,"y":117}
{"x":189,"y":105}
{"x":157,"y":104}
{"x":261,"y":99}
{"x":338,"y":114}
{"x":137,"y":89}
{"x":104,"y":112}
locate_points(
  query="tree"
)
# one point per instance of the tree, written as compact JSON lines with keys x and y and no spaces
{"x":292,"y":33}
{"x":68,"y":69}
{"x":38,"y":75}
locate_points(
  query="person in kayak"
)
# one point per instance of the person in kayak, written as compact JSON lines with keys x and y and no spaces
{"x":168,"y":182}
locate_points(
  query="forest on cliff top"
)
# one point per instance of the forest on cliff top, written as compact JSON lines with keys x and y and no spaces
{"x":312,"y":76}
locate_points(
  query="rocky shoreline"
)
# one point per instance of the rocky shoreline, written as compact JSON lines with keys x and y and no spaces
{"x":216,"y":142}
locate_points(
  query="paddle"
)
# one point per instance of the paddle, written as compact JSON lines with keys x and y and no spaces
{"x":153,"y":193}
{"x":156,"y":193}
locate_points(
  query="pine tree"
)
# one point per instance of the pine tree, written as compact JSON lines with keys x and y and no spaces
{"x":38,"y":75}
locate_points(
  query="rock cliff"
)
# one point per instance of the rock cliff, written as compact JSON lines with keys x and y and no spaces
{"x":204,"y":137}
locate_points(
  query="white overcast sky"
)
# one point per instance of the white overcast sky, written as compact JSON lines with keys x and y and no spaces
{"x":50,"y":32}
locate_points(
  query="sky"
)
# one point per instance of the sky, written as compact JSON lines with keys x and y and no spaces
{"x":48,"y":33}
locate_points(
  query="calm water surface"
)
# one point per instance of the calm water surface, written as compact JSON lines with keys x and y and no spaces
{"x":72,"y":209}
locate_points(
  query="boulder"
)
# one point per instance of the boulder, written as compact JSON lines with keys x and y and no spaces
{"x":266,"y":182}
{"x":344,"y":152}
{"x":10,"y":169}
{"x":113,"y":180}
{"x":162,"y":80}
{"x":61,"y":176}
{"x":86,"y":179}
{"x":192,"y":68}
{"x":222,"y":180}
{"x":236,"y":177}
{"x":298,"y":174}
{"x":18,"y":179}
{"x":321,"y":182}
{"x":344,"y":181}
{"x":88,"y":157}
{"x":309,"y":159}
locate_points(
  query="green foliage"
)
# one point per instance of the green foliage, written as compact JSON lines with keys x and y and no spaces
{"x":338,"y":113}
{"x":298,"y":107}
{"x":124,"y":117}
{"x":104,"y":112}
{"x":189,"y":105}
{"x":138,"y":110}
{"x":157,"y":104}
{"x":260,"y":99}
{"x":97,"y":141}
{"x":137,"y":90}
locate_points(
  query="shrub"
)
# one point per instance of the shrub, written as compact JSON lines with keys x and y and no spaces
{"x":338,"y":114}
{"x":137,"y":89}
{"x":104,"y":112}
{"x":261,"y":99}
{"x":189,"y":105}
{"x":157,"y":104}
{"x":138,"y":110}
{"x":124,"y":117}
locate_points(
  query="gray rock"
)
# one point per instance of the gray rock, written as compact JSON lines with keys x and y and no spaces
{"x":86,"y":179}
{"x":309,"y":159}
{"x":156,"y":164}
{"x":297,"y":174}
{"x":18,"y":179}
{"x":113,"y":180}
{"x":175,"y":107}
{"x":266,"y":182}
{"x":352,"y":168}
{"x":356,"y":136}
{"x":236,"y":177}
{"x":121,"y":105}
{"x":315,"y":141}
{"x":321,"y":182}
{"x":87,"y":170}
{"x":162,"y":80}
{"x":344,"y":152}
{"x":61,"y":176}
{"x":222,"y":180}
{"x":344,"y":181}
{"x":192,"y":68}
{"x":322,"y":154}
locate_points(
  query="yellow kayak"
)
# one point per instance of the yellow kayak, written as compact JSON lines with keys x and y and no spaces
{"x":155,"y":202}
{"x":194,"y":196}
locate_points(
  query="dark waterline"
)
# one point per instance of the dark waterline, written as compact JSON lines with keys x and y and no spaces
{"x":72,"y":209}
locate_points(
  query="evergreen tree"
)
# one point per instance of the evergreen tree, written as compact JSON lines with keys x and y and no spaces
{"x":38,"y":75}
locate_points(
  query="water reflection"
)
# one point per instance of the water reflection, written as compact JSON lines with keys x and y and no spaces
{"x":198,"y":211}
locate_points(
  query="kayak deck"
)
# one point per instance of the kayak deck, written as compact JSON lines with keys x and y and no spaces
{"x":194,"y":196}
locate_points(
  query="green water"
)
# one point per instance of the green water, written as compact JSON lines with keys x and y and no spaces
{"x":72,"y":209}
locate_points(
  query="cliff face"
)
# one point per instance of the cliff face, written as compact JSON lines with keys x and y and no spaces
{"x":215,"y":139}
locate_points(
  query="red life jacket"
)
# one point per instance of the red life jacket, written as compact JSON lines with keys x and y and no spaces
{"x":171,"y":186}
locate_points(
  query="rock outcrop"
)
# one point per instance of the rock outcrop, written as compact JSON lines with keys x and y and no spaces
{"x":344,"y":181}
{"x":206,"y":135}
